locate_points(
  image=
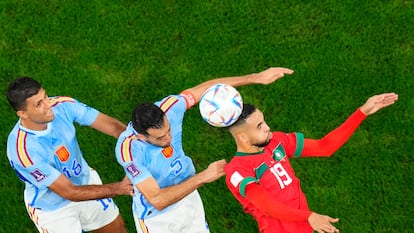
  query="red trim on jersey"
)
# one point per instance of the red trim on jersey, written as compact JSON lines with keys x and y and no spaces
{"x":60,"y":99}
{"x":21,"y":149}
{"x":126,"y":145}
{"x":335,"y":139}
{"x":263,"y":201}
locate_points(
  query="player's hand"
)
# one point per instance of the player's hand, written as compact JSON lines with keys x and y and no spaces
{"x":125,"y":187}
{"x":214,"y":171}
{"x":270,"y":75}
{"x":323,"y":223}
{"x":377,"y":102}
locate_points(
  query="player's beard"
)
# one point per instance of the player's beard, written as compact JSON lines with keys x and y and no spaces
{"x":159,"y":145}
{"x":263,"y":144}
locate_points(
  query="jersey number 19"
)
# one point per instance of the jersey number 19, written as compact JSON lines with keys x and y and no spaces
{"x":281,"y":175}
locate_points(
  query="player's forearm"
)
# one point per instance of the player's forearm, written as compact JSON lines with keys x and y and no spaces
{"x":88,"y":192}
{"x":92,"y":192}
{"x":235,"y":81}
{"x":172,"y":194}
{"x":335,"y":139}
{"x":275,"y":209}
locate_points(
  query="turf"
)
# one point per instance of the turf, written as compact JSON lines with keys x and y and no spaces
{"x":114,"y":54}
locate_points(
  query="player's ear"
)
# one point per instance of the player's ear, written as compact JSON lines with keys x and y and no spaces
{"x":22,"y":114}
{"x":141,"y":137}
{"x":242,"y":137}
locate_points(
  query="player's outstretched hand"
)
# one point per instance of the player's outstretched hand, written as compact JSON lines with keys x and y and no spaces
{"x":214,"y":171}
{"x":322,"y":223}
{"x":376,"y":102}
{"x":271,"y":74}
{"x":125,"y":187}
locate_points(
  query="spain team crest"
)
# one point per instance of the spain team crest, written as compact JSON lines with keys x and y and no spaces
{"x":167,"y":152}
{"x":62,"y":153}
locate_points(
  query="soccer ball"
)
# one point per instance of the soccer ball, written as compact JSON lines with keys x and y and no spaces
{"x":221,"y":105}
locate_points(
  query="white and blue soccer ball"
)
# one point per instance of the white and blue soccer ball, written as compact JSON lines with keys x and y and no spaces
{"x":221,"y":105}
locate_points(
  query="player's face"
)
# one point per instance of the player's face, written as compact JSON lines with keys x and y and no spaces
{"x":257,"y":130}
{"x":38,"y":112}
{"x":160,"y":137}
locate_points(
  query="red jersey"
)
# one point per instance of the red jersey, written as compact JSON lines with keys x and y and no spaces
{"x":271,"y":170}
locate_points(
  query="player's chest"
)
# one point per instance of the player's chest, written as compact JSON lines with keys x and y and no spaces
{"x":167,"y":161}
{"x":60,"y":144}
{"x":273,"y":169}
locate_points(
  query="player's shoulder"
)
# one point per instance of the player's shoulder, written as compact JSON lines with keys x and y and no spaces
{"x":236,"y":163}
{"x":22,"y":146}
{"x":172,"y":103}
{"x":128,"y":140}
{"x":56,"y":100}
{"x":127,"y":135}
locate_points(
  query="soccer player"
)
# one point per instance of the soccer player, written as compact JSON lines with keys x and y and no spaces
{"x":150,"y":151}
{"x":262,"y":179}
{"x":62,"y":193}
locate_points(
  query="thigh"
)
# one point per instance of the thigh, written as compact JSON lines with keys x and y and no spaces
{"x":64,"y":220}
{"x":96,"y":214}
{"x":187,"y":216}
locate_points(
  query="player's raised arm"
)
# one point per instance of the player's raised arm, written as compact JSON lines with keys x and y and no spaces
{"x":331,"y":142}
{"x":265,"y":77}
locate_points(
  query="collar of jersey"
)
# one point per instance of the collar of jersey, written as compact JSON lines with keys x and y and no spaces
{"x":36,"y":132}
{"x":246,"y":153}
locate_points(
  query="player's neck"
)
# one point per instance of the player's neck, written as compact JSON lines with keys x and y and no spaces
{"x":33,"y":125}
{"x":244,"y":148}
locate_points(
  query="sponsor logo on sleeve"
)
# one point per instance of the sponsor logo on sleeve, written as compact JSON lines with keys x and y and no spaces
{"x":38,"y":175}
{"x":236,"y":178}
{"x":133,"y":170}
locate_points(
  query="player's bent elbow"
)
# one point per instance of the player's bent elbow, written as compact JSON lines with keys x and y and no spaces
{"x":159,"y":205}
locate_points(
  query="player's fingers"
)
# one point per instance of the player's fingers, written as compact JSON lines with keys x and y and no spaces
{"x":334,"y":220}
{"x":222,"y":161}
{"x":287,"y":71}
{"x":282,"y":70}
{"x":329,"y":228}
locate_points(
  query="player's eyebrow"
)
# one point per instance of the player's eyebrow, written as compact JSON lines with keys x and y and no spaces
{"x":39,"y":101}
{"x":160,"y":137}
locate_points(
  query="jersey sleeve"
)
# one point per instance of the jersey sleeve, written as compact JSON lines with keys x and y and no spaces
{"x":75,"y":110}
{"x":237,"y":179}
{"x":173,"y":104}
{"x":331,"y":142}
{"x":128,"y":156}
{"x":292,"y":143}
{"x":27,"y":159}
{"x":276,"y":209}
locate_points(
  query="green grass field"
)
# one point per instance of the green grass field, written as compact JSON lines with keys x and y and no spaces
{"x":114,"y":54}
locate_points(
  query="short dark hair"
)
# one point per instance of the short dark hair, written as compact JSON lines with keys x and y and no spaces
{"x":248,"y":109}
{"x":20,"y":90}
{"x":145,"y":116}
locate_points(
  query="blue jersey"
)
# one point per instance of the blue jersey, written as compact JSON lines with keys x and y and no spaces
{"x":40,"y":157}
{"x":141,"y":160}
